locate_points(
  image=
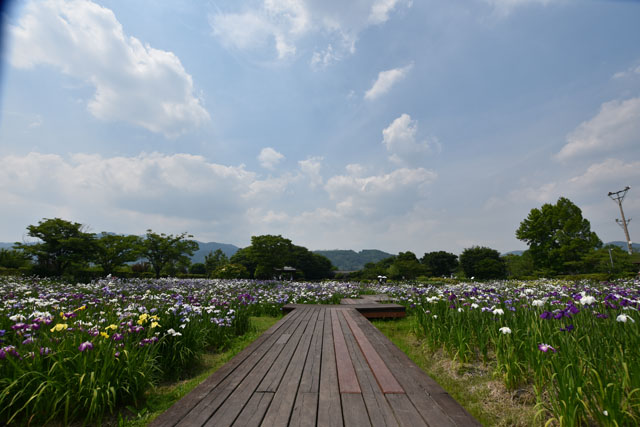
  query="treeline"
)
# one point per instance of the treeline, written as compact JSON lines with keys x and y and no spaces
{"x":65,"y":250}
{"x":561,"y":244}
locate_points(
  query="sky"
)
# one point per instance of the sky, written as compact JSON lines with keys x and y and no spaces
{"x":390,"y":124}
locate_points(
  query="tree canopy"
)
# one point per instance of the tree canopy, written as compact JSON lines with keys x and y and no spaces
{"x":482,"y":263}
{"x":558,"y":236}
{"x":113,"y":251}
{"x":440,"y":263}
{"x":62,"y":244}
{"x":163,"y":250}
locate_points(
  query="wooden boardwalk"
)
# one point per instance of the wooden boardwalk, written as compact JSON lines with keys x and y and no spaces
{"x":318,"y":366}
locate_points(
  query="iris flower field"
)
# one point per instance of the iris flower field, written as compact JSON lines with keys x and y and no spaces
{"x":79,"y":352}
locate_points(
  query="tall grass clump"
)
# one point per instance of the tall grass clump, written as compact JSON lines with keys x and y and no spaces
{"x":577,"y":345}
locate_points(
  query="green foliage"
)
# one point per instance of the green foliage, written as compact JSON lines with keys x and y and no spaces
{"x":215,"y":260}
{"x":599,"y":261}
{"x":198,"y":268}
{"x":519,"y":266}
{"x":268,"y":254}
{"x":63,"y":245}
{"x":164,"y":250}
{"x":14,"y":259}
{"x":406,"y":266}
{"x":231,"y":271}
{"x":440,"y":263}
{"x":482,"y":263}
{"x":558,"y":236}
{"x":113,"y":251}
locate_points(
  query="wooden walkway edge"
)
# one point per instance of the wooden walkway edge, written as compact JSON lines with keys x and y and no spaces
{"x":318,"y":366}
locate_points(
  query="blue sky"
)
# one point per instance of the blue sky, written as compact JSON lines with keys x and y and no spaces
{"x":389,"y":124}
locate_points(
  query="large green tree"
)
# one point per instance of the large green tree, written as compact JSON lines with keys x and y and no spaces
{"x":62,"y":245}
{"x":558,"y":236}
{"x":113,"y":251}
{"x":215,"y":260}
{"x":164,"y":250}
{"x":482,"y":263}
{"x":440,"y":263}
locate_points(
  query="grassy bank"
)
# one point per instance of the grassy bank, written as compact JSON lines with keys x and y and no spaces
{"x":473,"y":385}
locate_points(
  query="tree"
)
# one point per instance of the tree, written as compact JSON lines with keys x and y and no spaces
{"x":232,"y":271}
{"x":440,"y":263}
{"x":215,"y":260}
{"x":482,"y":263}
{"x":519,"y":265}
{"x":313,"y":266}
{"x":406,"y":266}
{"x":599,"y":261}
{"x":164,"y":250}
{"x":11,"y":258}
{"x":558,"y":236}
{"x":113,"y":251}
{"x":62,"y":245}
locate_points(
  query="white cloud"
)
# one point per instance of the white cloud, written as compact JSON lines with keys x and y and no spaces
{"x":134,"y":83}
{"x":385,"y":81}
{"x":269,"y":158}
{"x":379,"y":195}
{"x":285,"y":26}
{"x":616,"y":125}
{"x":400,"y":139}
{"x":609,"y":173}
{"x":505,"y":7}
{"x":311,"y":168}
{"x":629,"y":72}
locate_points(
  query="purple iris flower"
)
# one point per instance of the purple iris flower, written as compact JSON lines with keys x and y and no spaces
{"x":87,"y":345}
{"x":546,"y":315}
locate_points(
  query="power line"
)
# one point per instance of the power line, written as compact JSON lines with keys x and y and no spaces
{"x":618,"y":197}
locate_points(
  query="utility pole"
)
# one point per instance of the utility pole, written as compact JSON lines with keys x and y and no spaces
{"x":618,"y":196}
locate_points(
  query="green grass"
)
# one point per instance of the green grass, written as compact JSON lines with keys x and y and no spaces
{"x":472,"y":384}
{"x":163,"y":396}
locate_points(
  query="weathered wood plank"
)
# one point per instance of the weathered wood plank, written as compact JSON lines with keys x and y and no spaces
{"x":226,"y":414}
{"x":305,"y":409}
{"x":354,"y":410}
{"x":419,"y":387}
{"x":405,"y":413}
{"x":385,"y":378}
{"x":329,"y":402}
{"x":378,"y":409}
{"x":253,"y":412}
{"x":280,"y":410}
{"x":181,"y":408}
{"x":347,"y":380}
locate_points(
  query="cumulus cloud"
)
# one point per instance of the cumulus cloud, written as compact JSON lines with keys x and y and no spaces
{"x":400,"y":139}
{"x":284,"y":25}
{"x":385,"y":81}
{"x":379,"y":195}
{"x":269,"y":158}
{"x":311,"y":169}
{"x":611,"y":172}
{"x":629,"y":72}
{"x":505,"y":7}
{"x":616,"y":125}
{"x":134,"y":82}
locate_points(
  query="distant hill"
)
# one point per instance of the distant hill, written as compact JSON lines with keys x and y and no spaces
{"x":349,"y":260}
{"x":205,"y":248}
{"x":198,"y":256}
{"x":623,"y":245}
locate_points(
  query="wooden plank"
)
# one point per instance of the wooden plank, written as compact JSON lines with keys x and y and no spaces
{"x":378,"y":409}
{"x":385,"y":378}
{"x":425,"y":394}
{"x":181,"y":408}
{"x":240,"y":395}
{"x":406,"y":414}
{"x":329,"y":402}
{"x":254,"y":410}
{"x":354,"y":410}
{"x":273,"y":377}
{"x":305,"y":409}
{"x":347,"y":380}
{"x":280,"y":410}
